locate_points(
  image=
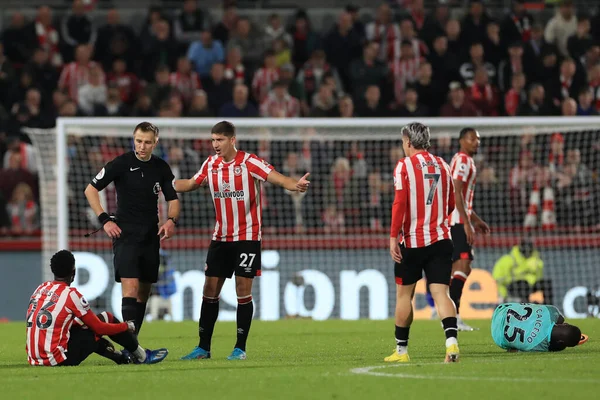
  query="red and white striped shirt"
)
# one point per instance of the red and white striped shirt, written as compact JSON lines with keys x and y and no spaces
{"x":404,"y":72}
{"x":262,"y":82}
{"x":273,"y":107}
{"x":235,"y":189}
{"x":75,"y":75}
{"x":463,"y":169}
{"x":424,"y":199}
{"x":185,"y":84}
{"x":50,"y":314}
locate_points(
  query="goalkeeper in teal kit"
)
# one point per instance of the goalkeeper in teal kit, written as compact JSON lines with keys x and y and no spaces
{"x":533,"y":327}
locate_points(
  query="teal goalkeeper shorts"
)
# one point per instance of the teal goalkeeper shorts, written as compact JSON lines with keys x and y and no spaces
{"x":524,"y":326}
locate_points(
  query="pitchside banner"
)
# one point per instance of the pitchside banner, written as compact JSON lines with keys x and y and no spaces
{"x":320,"y":284}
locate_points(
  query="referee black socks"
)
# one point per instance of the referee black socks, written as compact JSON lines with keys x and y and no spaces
{"x":209,"y":313}
{"x":140,"y":314}
{"x":245,"y":310}
{"x":129,"y":309}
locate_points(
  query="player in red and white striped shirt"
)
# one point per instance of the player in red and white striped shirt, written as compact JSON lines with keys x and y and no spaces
{"x":424,"y":198}
{"x":54,"y":339}
{"x":464,"y":218}
{"x":234,"y":178}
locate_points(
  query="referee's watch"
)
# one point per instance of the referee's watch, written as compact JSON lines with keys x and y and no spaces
{"x":173,"y":219}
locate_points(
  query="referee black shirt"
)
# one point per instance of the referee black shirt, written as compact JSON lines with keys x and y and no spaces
{"x":138,"y":185}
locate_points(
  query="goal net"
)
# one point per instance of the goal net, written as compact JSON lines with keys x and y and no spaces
{"x":325,"y":253}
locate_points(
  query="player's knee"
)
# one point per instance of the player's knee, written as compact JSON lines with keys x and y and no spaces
{"x":211,"y":287}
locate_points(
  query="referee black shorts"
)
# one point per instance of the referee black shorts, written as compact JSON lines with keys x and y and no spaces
{"x":226,"y":258}
{"x":136,"y":253}
{"x":435,"y":260}
{"x":462,"y":249}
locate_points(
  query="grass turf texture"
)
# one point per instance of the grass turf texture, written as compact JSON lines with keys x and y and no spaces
{"x":301,"y":359}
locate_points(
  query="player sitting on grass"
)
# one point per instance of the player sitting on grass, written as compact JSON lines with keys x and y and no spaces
{"x":533,"y":327}
{"x":53,"y":339}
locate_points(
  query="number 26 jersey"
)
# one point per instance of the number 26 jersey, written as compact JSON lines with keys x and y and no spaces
{"x":524,"y":326}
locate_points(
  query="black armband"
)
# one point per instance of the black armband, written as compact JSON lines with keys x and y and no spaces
{"x":104,"y":218}
{"x":173,"y":219}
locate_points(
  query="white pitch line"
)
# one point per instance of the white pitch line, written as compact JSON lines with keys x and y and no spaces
{"x":370,"y":371}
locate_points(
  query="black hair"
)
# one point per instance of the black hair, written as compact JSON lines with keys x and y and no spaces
{"x":563,"y":336}
{"x":62,"y":264}
{"x":464,"y":131}
{"x":146,"y":127}
{"x":224,"y":128}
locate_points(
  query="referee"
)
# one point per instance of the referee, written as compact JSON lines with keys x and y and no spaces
{"x":139,"y":177}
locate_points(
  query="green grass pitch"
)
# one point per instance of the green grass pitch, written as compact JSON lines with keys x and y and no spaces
{"x":301,"y":359}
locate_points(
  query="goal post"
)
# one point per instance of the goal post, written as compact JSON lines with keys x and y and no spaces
{"x":325,"y":254}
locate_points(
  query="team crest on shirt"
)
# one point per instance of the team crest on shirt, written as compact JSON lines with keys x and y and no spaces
{"x":237,"y":170}
{"x":156,"y":188}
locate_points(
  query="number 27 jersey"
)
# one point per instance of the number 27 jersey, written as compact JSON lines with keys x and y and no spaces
{"x":524,"y":326}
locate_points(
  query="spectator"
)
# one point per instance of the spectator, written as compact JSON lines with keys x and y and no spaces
{"x":323,"y":103}
{"x":568,"y":107}
{"x":30,"y":113}
{"x":115,"y":41}
{"x":234,"y":68}
{"x":172,"y":107}
{"x":520,"y":273}
{"x":161,"y":49}
{"x":205,"y":53}
{"x":16,"y":93}
{"x":223,"y":30}
{"x":304,"y":40}
{"x":69,"y":109}
{"x":160,"y":89}
{"x":357,"y":24}
{"x":185,"y":81}
{"x":346,"y":107}
{"x":77,"y":28}
{"x":575,"y":192}
{"x":510,"y":66}
{"x":143,"y":106}
{"x":492,"y":46}
{"x":47,"y":35}
{"x":19,"y":40}
{"x":586,"y":106}
{"x":386,"y":33}
{"x":566,"y":84}
{"x":456,"y":105}
{"x":483,"y":95}
{"x":26,"y":160}
{"x":127,"y":82}
{"x":404,"y":70}
{"x":7,"y":75}
{"x":13,"y":174}
{"x":435,"y":23}
{"x":264,"y":77}
{"x":92,"y":96}
{"x":218,"y":89}
{"x":589,"y":60}
{"x":333,"y":220}
{"x":240,"y":107}
{"x":279,"y":103}
{"x":594,"y":83}
{"x":22,"y":210}
{"x":455,"y":41}
{"x":411,"y":107}
{"x":312,"y":73}
{"x":114,"y":107}
{"x":581,"y":40}
{"x":562,"y":26}
{"x":536,"y":104}
{"x":474,"y":24}
{"x":367,"y":70}
{"x":476,"y":60}
{"x":342,"y":46}
{"x":295,"y":88}
{"x":549,"y":69}
{"x":532,"y":54}
{"x":516,"y":97}
{"x":250,"y":42}
{"x":372,"y":106}
{"x":76,"y":74}
{"x":199,"y":105}
{"x":190,"y":23}
{"x":275,"y":31}
{"x":59,"y":98}
{"x":516,"y":26}
{"x":44,"y":75}
{"x":429,"y":91}
{"x":283,"y":55}
{"x":444,"y":63}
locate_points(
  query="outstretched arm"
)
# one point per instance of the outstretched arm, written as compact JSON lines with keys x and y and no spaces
{"x":102,"y":328}
{"x":187,"y":185}
{"x":286,"y":182}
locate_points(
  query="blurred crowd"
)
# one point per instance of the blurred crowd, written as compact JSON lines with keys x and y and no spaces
{"x":403,"y":61}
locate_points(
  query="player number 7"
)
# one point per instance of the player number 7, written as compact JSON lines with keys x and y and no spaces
{"x":435,"y":178}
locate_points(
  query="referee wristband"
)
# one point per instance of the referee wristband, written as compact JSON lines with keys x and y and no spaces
{"x":104,"y":218}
